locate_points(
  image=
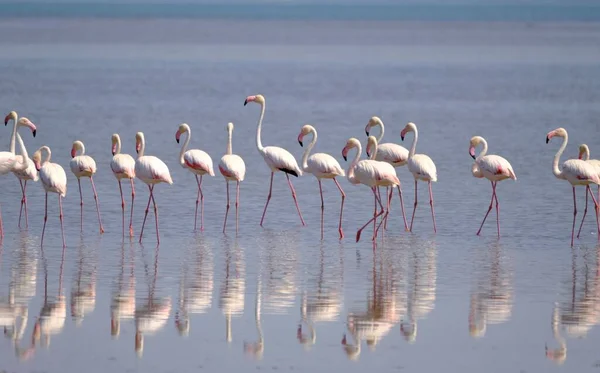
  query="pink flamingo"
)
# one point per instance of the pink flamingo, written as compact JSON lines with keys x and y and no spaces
{"x":372,"y":174}
{"x":232,"y":168}
{"x":322,"y":166}
{"x":394,"y":154}
{"x":422,"y":168}
{"x":584,"y":154}
{"x":151,"y":170}
{"x":492,"y":167}
{"x":278,"y":159}
{"x":83,"y":165}
{"x":575,"y":171}
{"x":199,"y":163}
{"x":9,"y":161}
{"x":54,"y":179}
{"x":123,"y":167}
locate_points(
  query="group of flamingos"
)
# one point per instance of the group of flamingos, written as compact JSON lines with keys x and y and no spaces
{"x":375,"y":172}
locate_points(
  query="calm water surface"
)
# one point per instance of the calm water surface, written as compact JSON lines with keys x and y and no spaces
{"x":279,"y":298}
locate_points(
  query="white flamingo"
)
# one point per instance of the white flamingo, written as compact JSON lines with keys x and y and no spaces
{"x":9,"y":161}
{"x":83,"y":165}
{"x":584,"y":154}
{"x":575,"y":171}
{"x":232,"y":168}
{"x":276,"y":158}
{"x":199,"y":163}
{"x":54,"y":179}
{"x":371,"y":173}
{"x":123,"y":167}
{"x":422,"y":168}
{"x":492,"y":167}
{"x":151,"y":170}
{"x":322,"y":166}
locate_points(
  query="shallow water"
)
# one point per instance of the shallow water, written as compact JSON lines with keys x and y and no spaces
{"x":278,"y":297}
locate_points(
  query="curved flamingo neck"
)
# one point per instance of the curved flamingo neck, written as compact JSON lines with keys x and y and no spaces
{"x":118,"y":150}
{"x":259,"y":145}
{"x":484,"y":150}
{"x":380,"y":124}
{"x":142,"y":147}
{"x":81,"y":149}
{"x":309,"y":149}
{"x":413,"y":147}
{"x":48,"y":154}
{"x":229,"y":146}
{"x":23,"y":150}
{"x":374,"y":151}
{"x":555,"y":170}
{"x":185,"y":144}
{"x":585,"y":156}
{"x":13,"y":135}
{"x":350,"y":173}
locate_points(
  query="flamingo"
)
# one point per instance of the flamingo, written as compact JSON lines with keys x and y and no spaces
{"x":199,"y":163}
{"x":84,"y":166}
{"x":394,"y":154}
{"x":276,"y":158}
{"x":492,"y":167}
{"x":322,"y":166}
{"x":422,"y":168}
{"x":54,"y":179}
{"x":151,"y":170}
{"x":9,"y":162}
{"x":372,"y":153}
{"x":575,"y":171}
{"x":584,"y":154}
{"x":372,"y":174}
{"x":232,"y":168}
{"x":123,"y":167}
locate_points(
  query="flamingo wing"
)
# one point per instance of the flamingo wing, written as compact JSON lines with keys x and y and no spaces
{"x":151,"y":169}
{"x":54,"y":178}
{"x":496,"y":165}
{"x":232,"y":165}
{"x":123,"y":164}
{"x":199,"y":160}
{"x":392,"y":153}
{"x":282,"y":160}
{"x":577,"y":170}
{"x":83,"y":164}
{"x":7,"y":162}
{"x":423,"y":167}
{"x":324,"y":164}
{"x":29,"y":173}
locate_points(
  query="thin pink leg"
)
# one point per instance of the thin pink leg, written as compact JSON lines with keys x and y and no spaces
{"x":268,"y":199}
{"x":497,"y":208}
{"x":25,"y":203}
{"x":387,"y":211}
{"x":584,"y":210}
{"x":199,"y":198}
{"x":22,"y":201}
{"x":45,"y":219}
{"x":402,"y":207}
{"x":131,"y":216}
{"x":62,"y":228}
{"x":414,"y":208}
{"x":489,"y":208}
{"x":341,"y":207}
{"x":295,"y":199}
{"x":375,"y":211}
{"x":596,"y":201}
{"x":1,"y":226}
{"x":374,"y":190}
{"x":227,"y":206}
{"x":97,"y":205}
{"x":322,"y":207}
{"x":574,"y":215}
{"x":386,"y":193}
{"x":122,"y":205}
{"x":155,"y":214}
{"x":146,"y":213}
{"x":432,"y":210}
{"x":81,"y":202}
{"x":237,"y":202}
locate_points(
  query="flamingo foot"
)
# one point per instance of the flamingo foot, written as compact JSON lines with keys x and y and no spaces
{"x":341,"y":233}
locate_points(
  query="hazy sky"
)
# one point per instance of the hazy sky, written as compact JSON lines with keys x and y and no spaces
{"x":448,"y":2}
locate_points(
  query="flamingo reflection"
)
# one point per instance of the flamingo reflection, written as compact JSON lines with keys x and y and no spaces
{"x":257,"y":348}
{"x":231,"y":297}
{"x":83,"y":288}
{"x":122,"y":306}
{"x":279,"y":257}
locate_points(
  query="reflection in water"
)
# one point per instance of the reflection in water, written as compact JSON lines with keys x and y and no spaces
{"x":232,"y":292}
{"x":122,"y":305}
{"x":492,"y":297}
{"x":257,"y":348}
{"x":323,"y":300}
{"x":422,"y":276}
{"x":153,"y":315}
{"x":83,"y":288}
{"x":581,"y":311}
{"x":196,"y":285}
{"x":280,"y":259}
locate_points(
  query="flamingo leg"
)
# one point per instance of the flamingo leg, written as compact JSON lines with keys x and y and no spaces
{"x":497,"y":208}
{"x":227,"y":206}
{"x":431,"y":204}
{"x":268,"y":199}
{"x":489,"y":208}
{"x":45,"y":219}
{"x":322,"y":206}
{"x":131,"y":216}
{"x":25,"y":204}
{"x":596,"y":205}
{"x":341,"y":208}
{"x":155,"y":214}
{"x":402,"y":207}
{"x":81,"y":202}
{"x":584,"y":210}
{"x":237,"y":202}
{"x":387,"y":211}
{"x":377,"y":199}
{"x":574,"y":215}
{"x":62,"y":228}
{"x":22,"y":201}
{"x":146,"y":212}
{"x":294,"y":197}
{"x":1,"y":226}
{"x":122,"y":205}
{"x":97,"y":204}
{"x":414,"y":208}
{"x":199,"y":198}
{"x":386,"y":193}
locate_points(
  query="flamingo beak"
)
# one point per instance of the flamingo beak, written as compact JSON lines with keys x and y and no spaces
{"x":73,"y":152}
{"x":547,"y":139}
{"x":6,"y":119}
{"x":245,"y":102}
{"x":300,"y":137}
{"x":34,"y":132}
{"x":472,"y":152}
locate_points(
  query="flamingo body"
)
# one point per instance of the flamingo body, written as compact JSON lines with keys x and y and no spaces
{"x":152,"y":170}
{"x":54,"y":178}
{"x":123,"y":166}
{"x":7,"y":162}
{"x":29,"y":173}
{"x":394,"y":154}
{"x":232,"y":167}
{"x":422,"y":167}
{"x":83,"y":166}
{"x":198,"y":162}
{"x":279,"y":159}
{"x":324,"y":166}
{"x":495,"y":168}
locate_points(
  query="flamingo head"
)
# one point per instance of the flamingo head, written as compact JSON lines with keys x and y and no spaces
{"x":12,"y":115}
{"x":584,"y":151}
{"x":351,"y":143}
{"x":371,"y":145}
{"x":24,"y":122}
{"x":37,"y":159}
{"x":183,"y":128}
{"x":410,"y":127}
{"x":77,"y":146}
{"x":139,"y":140}
{"x":115,"y":139}
{"x":306,"y":129}
{"x":259,"y":99}
{"x":475,"y":140}
{"x":560,"y":132}
{"x":229,"y":127}
{"x":373,"y":122}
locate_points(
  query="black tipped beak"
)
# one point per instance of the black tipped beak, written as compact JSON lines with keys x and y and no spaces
{"x":245,"y":102}
{"x":300,"y":142}
{"x":402,"y":137}
{"x":5,"y":122}
{"x":113,"y":153}
{"x":137,"y":151}
{"x":547,"y":139}
{"x":368,"y":154}
{"x":177,"y":140}
{"x":345,"y":158}
{"x":472,"y":156}
{"x":34,"y":132}
{"x":367,"y":132}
